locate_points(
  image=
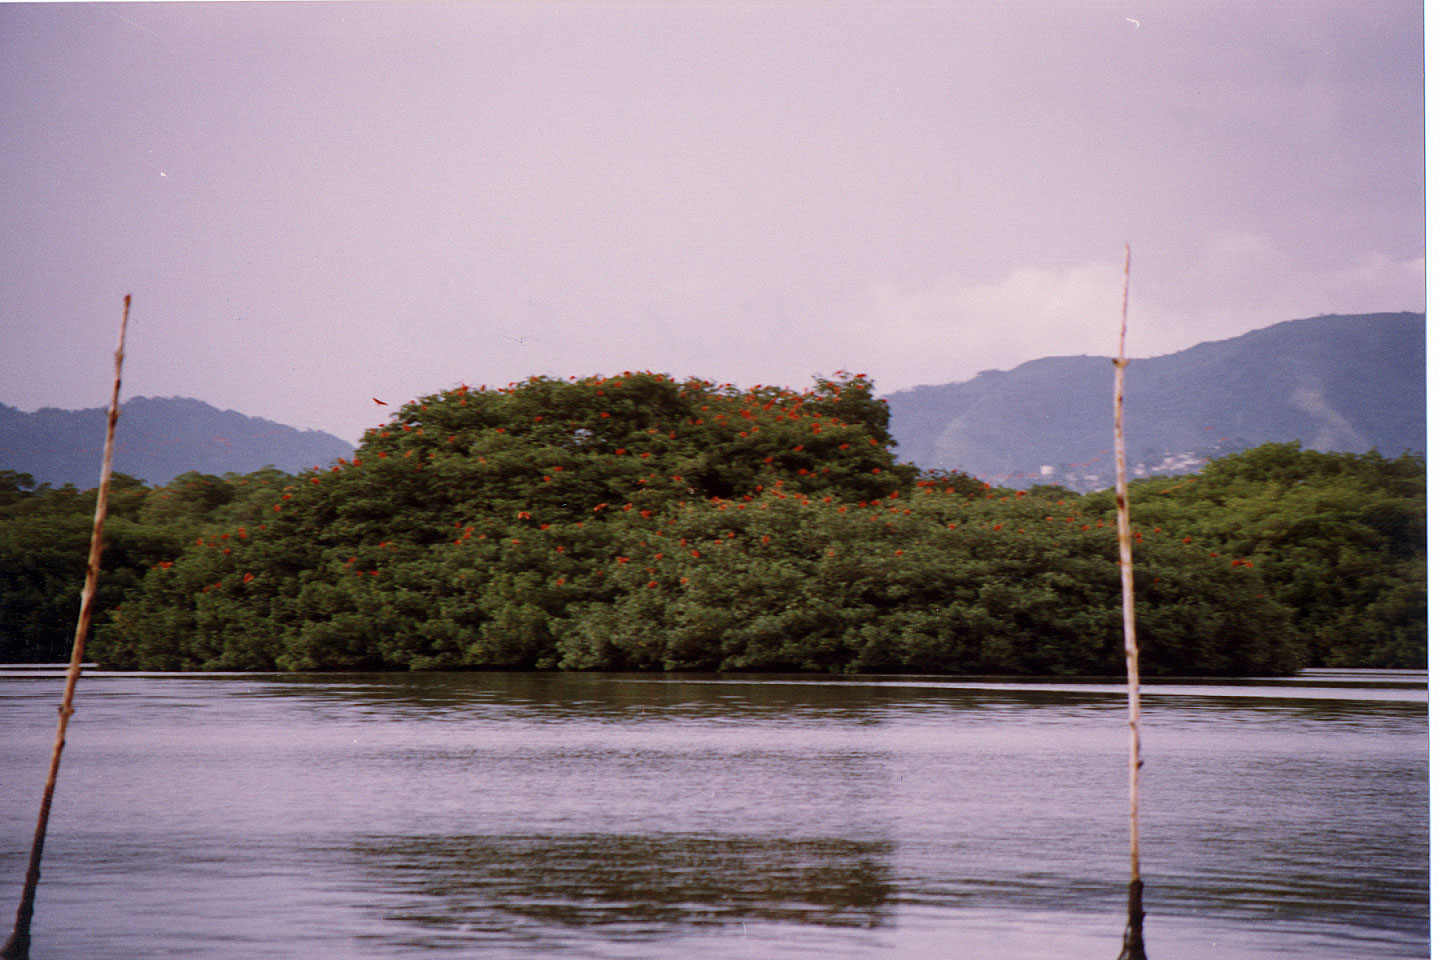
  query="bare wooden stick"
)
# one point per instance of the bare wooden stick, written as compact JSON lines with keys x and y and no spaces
{"x":1134,"y":948}
{"x":18,"y":946}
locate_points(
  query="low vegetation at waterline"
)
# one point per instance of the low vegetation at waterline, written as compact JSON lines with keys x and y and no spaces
{"x":639,"y":523}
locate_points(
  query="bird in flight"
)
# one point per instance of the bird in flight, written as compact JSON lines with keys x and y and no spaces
{"x":379,"y":401}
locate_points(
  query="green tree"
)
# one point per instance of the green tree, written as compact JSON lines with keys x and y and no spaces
{"x":640,"y":523}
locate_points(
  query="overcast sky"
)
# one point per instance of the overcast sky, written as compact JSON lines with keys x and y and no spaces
{"x":317,"y":204}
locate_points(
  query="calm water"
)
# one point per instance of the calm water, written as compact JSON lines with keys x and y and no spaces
{"x":507,"y":815}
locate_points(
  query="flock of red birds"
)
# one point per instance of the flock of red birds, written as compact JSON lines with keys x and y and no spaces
{"x":789,"y":411}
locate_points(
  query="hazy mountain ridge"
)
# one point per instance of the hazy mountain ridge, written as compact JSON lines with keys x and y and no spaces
{"x":1342,"y":383}
{"x":1347,"y":383}
{"x":156,"y":439}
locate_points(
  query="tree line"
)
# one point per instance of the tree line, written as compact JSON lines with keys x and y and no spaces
{"x":637,"y":522}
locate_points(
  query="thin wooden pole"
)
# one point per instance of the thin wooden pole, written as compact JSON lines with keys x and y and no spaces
{"x":18,"y":946}
{"x":1134,"y":947}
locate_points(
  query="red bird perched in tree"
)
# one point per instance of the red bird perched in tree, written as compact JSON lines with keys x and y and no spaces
{"x":379,"y":401}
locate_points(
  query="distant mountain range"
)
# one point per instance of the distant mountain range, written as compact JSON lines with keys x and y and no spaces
{"x":156,"y":440}
{"x":1349,"y":383}
{"x":1341,"y":383}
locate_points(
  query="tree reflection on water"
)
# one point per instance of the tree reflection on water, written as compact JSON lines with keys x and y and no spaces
{"x":503,"y":884}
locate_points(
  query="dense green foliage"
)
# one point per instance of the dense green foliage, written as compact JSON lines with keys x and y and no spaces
{"x":45,"y":541}
{"x":635,"y":522}
{"x":1339,"y":538}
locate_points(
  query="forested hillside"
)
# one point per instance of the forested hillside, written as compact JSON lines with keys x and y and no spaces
{"x":639,"y":523}
{"x":1333,"y":383}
